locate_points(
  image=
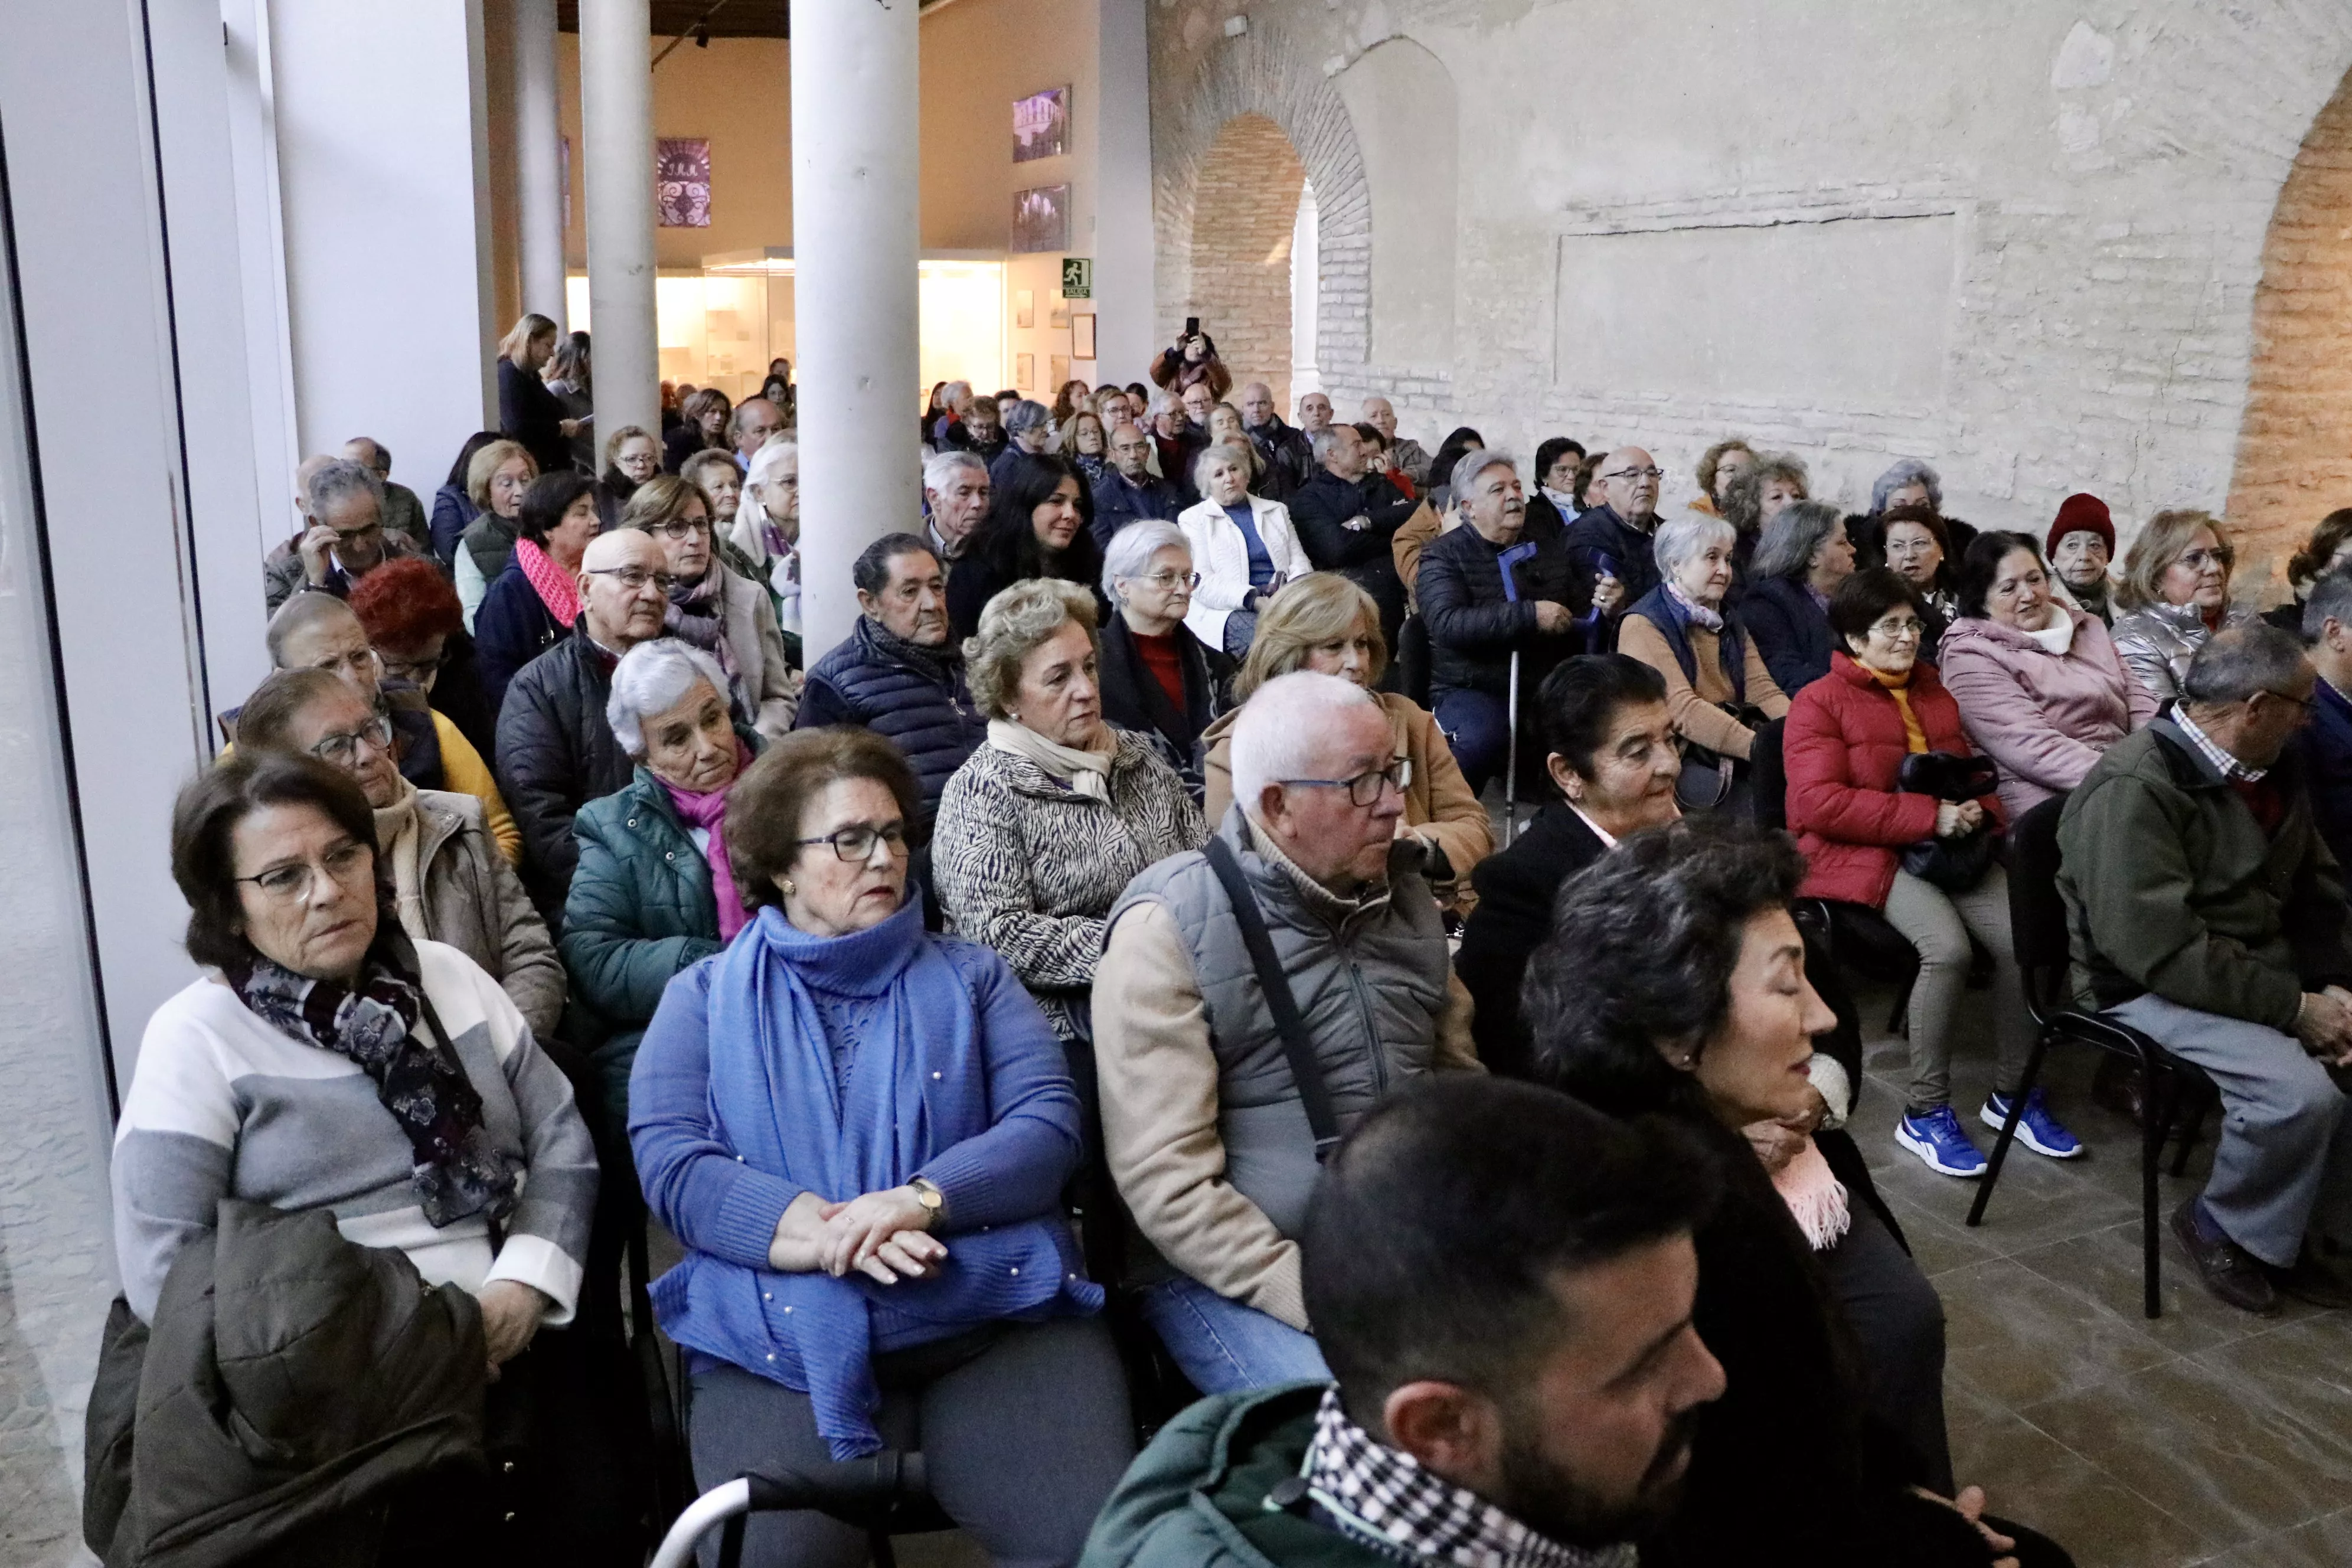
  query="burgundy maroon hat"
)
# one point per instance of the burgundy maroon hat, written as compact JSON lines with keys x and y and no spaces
{"x":2082,"y":513}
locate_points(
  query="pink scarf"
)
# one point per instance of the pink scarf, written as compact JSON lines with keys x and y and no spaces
{"x":558,"y":592}
{"x":707,"y":811}
{"x":1816,"y":1198}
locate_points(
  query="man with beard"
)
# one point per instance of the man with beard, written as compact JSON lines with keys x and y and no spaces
{"x":1502,"y":1281}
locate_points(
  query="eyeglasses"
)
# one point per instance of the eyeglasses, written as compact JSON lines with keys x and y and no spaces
{"x":2222,"y":555}
{"x":855,"y":844}
{"x":2305,"y":703}
{"x":1364,"y":789}
{"x":1636,"y":474}
{"x":681,"y":527}
{"x":362,"y":662}
{"x":344,"y":865}
{"x":342,"y":750}
{"x":1895,"y":631}
{"x":419,"y":670}
{"x":1167,"y":580}
{"x":636,"y":577}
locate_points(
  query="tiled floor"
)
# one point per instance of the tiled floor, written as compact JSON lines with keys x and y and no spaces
{"x":2205,"y":1437}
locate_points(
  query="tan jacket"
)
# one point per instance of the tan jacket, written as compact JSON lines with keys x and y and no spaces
{"x":1438,"y":804}
{"x":1411,"y":538}
{"x":1159,"y":1081}
{"x":1693,"y":707}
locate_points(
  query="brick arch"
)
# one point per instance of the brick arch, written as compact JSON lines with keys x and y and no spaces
{"x":1244,"y":207}
{"x":1272,"y":76}
{"x":2294,"y":442}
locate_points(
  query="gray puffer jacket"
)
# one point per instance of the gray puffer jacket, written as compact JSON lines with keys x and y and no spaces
{"x":2156,"y":644}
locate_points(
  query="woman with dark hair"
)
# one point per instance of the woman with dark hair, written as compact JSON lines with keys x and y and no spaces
{"x":824,"y":1113}
{"x":703,"y":428}
{"x":528,"y":411}
{"x":537,"y":597}
{"x":1554,"y":505}
{"x":631,"y":456}
{"x":569,"y":378}
{"x":1918,"y":545}
{"x":1462,"y":439}
{"x":2329,"y":549}
{"x":2041,"y":687}
{"x":453,"y":508}
{"x":418,"y":627}
{"x":1035,"y":527}
{"x":1924,"y":861}
{"x":1801,"y":558}
{"x":1674,"y":984}
{"x":327,"y":1063}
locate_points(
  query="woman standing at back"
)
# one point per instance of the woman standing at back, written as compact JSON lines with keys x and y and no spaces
{"x":528,"y":412}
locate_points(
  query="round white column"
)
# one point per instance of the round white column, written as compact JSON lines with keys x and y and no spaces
{"x":616,"y":116}
{"x":855,"y":97}
{"x":539,"y":158}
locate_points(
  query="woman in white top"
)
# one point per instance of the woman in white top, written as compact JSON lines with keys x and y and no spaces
{"x":1243,"y":547}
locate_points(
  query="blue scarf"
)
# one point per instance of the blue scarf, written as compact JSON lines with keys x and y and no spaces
{"x":917,"y":1086}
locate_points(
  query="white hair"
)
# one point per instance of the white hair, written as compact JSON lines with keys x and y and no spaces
{"x":1682,"y":538}
{"x":749,"y":515}
{"x":654,"y":677}
{"x":1133,"y":548}
{"x":1284,"y":725}
{"x":941,"y":466}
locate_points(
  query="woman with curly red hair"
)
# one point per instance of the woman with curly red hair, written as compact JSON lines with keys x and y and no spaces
{"x":417,"y":628}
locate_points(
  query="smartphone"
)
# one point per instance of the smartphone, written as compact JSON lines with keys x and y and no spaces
{"x":1191,"y":326}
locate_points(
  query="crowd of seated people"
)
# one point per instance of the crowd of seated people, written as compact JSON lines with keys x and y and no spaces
{"x":1117,"y":918}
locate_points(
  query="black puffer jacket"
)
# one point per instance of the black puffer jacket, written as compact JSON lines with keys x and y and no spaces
{"x":924,"y":711}
{"x":556,"y":754}
{"x":1599,"y":541}
{"x":1473,"y":628}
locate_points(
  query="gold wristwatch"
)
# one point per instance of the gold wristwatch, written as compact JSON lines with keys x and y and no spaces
{"x":927,"y":1193}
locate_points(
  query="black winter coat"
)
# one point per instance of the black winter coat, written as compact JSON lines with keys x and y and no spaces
{"x":932,"y":721}
{"x":1601,"y":541}
{"x":1120,"y":500}
{"x":1366,"y":556}
{"x":1473,"y":628}
{"x":1133,"y":699}
{"x":1516,"y":887}
{"x":1793,"y":633}
{"x":556,"y":754}
{"x":1289,"y":457}
{"x":533,"y":416}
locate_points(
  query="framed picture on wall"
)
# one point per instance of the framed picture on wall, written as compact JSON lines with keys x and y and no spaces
{"x":1024,"y":307}
{"x":1041,"y":218}
{"x":1059,"y":316}
{"x":682,"y":182}
{"x":1040,"y":125}
{"x":1058,"y":371}
{"x":1025,"y":373}
{"x":1082,"y":334}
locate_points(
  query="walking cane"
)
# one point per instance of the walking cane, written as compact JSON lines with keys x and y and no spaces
{"x":1508,"y":561}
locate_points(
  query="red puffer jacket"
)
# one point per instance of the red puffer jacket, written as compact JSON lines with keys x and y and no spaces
{"x":1844,"y":749}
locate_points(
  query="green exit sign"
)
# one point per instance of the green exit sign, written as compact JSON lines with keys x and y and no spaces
{"x":1077,"y":277}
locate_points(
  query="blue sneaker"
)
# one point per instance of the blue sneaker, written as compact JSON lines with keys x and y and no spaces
{"x":2037,"y":1128}
{"x":1939,"y":1141}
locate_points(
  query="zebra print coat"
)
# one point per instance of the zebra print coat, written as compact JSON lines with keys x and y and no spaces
{"x":1031,"y":866}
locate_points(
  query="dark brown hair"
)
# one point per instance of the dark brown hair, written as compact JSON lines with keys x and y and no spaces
{"x":766,"y":806}
{"x":2308,"y":563}
{"x":1864,"y":597}
{"x":203,"y":823}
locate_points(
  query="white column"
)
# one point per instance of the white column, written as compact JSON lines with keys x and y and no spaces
{"x":856,"y":100}
{"x":1306,"y":294}
{"x":539,"y":158}
{"x":1124,"y":246}
{"x":616,"y":123}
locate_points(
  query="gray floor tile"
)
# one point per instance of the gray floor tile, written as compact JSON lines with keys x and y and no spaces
{"x":2031,"y":1477}
{"x":2018,"y":1338}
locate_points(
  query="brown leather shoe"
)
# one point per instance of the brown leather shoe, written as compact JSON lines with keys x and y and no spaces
{"x":2229,"y":1270}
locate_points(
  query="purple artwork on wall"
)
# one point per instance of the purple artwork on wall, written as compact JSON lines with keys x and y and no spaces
{"x":682,"y":182}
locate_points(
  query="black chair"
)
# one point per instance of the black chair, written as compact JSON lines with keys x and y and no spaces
{"x":884,"y":1496}
{"x":2037,"y":919}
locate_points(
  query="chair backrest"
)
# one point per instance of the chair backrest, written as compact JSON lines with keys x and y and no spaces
{"x":2037,"y":910}
{"x":1767,"y":776}
{"x":1413,"y":660}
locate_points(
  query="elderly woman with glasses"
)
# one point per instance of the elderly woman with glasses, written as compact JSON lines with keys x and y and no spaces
{"x":2176,"y":594}
{"x":1158,"y":680}
{"x":1717,"y":686}
{"x":1043,"y":828}
{"x":728,"y":616}
{"x":1325,"y":623}
{"x":861,"y":1132}
{"x":328,"y":1064}
{"x":1924,"y":862}
{"x":496,"y":481}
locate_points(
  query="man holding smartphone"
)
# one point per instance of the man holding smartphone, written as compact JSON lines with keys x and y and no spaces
{"x":1194,"y":358}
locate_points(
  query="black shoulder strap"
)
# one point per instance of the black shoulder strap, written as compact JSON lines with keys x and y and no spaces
{"x":1312,"y":1090}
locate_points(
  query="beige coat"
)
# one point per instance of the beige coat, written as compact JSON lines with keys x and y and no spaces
{"x":1693,"y":707}
{"x":771,"y":684}
{"x":475,"y":902}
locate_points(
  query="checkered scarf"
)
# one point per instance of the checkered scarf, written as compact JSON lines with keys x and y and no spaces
{"x":1385,"y":1499}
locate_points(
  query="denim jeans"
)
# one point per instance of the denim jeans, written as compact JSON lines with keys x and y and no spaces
{"x":1224,"y":1347}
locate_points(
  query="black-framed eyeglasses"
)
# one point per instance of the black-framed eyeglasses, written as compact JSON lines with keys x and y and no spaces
{"x":344,"y":864}
{"x":342,"y":750}
{"x":636,"y":577}
{"x":1653,"y":473}
{"x":1364,"y":789}
{"x":2306,"y":703}
{"x":855,"y":844}
{"x":680,"y":527}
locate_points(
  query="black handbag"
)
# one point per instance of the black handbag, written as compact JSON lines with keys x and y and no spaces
{"x":1709,"y":776}
{"x":1954,"y":865}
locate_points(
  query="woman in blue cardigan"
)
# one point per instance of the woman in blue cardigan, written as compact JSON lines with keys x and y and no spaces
{"x":861,"y":1133}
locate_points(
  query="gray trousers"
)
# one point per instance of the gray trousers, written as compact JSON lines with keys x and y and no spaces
{"x":1937,"y":924}
{"x":2284,"y":1164}
{"x":1021,"y":1446}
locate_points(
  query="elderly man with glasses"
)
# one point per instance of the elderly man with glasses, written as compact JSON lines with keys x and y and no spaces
{"x":1609,"y":547}
{"x":556,"y":749}
{"x":1255,"y":1001}
{"x":344,"y":506}
{"x":1128,"y":490}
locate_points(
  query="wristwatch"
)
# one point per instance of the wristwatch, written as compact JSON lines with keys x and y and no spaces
{"x":927,"y":1193}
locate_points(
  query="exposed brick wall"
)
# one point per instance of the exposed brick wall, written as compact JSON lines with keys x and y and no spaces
{"x":2115,"y":313}
{"x":2294,"y":450}
{"x":1245,"y":204}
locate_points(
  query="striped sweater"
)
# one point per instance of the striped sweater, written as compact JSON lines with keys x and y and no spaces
{"x":222,"y":1106}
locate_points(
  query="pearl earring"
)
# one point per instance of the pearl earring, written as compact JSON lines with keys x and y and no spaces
{"x":784,"y":886}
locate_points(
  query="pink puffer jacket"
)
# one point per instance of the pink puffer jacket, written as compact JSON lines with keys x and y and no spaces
{"x":2045,"y":718}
